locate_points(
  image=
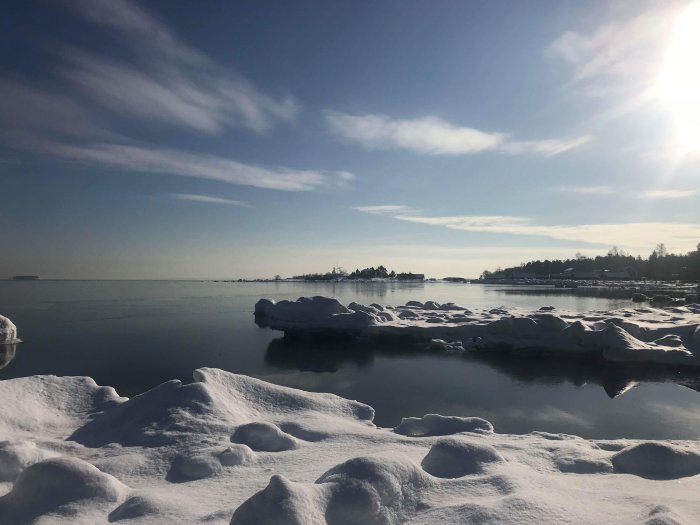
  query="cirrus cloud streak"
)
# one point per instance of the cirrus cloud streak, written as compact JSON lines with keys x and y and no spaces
{"x":208,"y":199}
{"x":433,"y":136}
{"x":634,"y":235}
{"x":171,"y":162}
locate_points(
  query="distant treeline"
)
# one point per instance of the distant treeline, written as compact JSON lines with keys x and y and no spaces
{"x":660,"y":265}
{"x":380,"y":272}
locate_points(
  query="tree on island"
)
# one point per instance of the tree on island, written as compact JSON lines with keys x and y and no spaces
{"x":381,"y":272}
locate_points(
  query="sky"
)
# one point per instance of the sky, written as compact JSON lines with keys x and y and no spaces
{"x":242,"y":139}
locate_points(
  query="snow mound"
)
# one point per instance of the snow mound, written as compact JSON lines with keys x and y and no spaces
{"x":237,"y":455}
{"x":8,"y":331}
{"x":454,"y":458}
{"x":663,"y":515}
{"x":282,"y":502}
{"x":621,"y":346}
{"x":208,"y":462}
{"x":18,"y":455}
{"x":581,"y":464}
{"x":188,"y":467}
{"x":53,"y":485}
{"x":264,"y":437}
{"x":437,"y":425}
{"x":668,"y":335}
{"x":157,"y":417}
{"x":658,"y":460}
{"x":136,"y":506}
{"x":211,"y":407}
{"x":381,"y":489}
{"x":364,"y":490}
{"x":50,"y":405}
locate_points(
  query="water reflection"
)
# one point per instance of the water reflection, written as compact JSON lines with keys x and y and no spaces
{"x":600,"y":292}
{"x":7,"y":354}
{"x":313,"y":355}
{"x":614,"y":379}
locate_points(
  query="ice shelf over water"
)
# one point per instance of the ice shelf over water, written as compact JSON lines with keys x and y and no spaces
{"x":669,"y":336}
{"x":232,"y":449}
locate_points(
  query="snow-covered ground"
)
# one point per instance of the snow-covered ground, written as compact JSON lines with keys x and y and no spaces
{"x":669,"y":336}
{"x":231,"y":449}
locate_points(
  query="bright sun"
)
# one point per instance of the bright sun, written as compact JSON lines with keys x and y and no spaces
{"x":678,"y":84}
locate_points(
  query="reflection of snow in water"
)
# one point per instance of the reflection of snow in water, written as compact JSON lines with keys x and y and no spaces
{"x":7,"y":354}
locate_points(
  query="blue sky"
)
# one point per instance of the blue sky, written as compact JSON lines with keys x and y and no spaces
{"x":243,"y":139}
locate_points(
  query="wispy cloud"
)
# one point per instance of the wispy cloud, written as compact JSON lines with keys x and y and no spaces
{"x":668,"y":194}
{"x":170,"y":162}
{"x":384,"y":209}
{"x":129,"y":18}
{"x":639,"y":235}
{"x":343,"y":179}
{"x":208,"y":199}
{"x":586,"y":190}
{"x":546,"y":148}
{"x":166,"y":79}
{"x":434,"y":136}
{"x":27,"y":111}
{"x":619,"y":55}
{"x":428,"y":135}
{"x":157,"y":78}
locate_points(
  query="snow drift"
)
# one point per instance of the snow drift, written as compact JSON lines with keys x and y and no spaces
{"x":228,"y":448}
{"x":668,"y":336}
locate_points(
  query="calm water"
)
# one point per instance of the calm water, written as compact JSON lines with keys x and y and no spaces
{"x":135,"y":335}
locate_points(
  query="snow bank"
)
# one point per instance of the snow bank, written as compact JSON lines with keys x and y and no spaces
{"x":8,"y":331}
{"x":232,"y":449}
{"x":669,"y":336}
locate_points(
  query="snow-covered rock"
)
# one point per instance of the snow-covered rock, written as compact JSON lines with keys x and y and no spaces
{"x":232,"y":449}
{"x":313,"y":314}
{"x":658,"y":460}
{"x":438,"y":425}
{"x":666,"y":336}
{"x":454,"y":458}
{"x":8,"y":331}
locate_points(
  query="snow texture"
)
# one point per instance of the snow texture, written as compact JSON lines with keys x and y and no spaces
{"x":8,"y":331}
{"x":666,"y":336}
{"x":232,"y":449}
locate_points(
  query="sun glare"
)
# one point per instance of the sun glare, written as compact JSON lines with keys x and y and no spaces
{"x":678,"y":84}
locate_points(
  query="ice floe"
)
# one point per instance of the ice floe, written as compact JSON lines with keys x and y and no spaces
{"x":669,"y":336}
{"x":228,"y":448}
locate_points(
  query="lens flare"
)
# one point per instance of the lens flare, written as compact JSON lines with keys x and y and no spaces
{"x":678,"y":85}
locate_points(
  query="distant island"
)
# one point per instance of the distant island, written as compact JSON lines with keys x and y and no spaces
{"x":616,"y":265}
{"x":381,"y":272}
{"x":25,"y":278}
